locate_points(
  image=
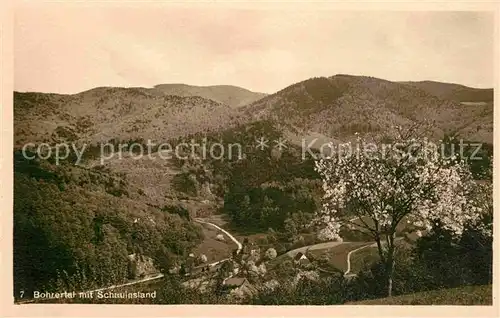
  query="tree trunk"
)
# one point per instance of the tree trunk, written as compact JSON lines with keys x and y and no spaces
{"x":387,"y":259}
{"x":389,"y":269}
{"x":380,"y":249}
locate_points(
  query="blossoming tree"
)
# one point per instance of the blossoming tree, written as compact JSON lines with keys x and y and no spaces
{"x":376,"y":188}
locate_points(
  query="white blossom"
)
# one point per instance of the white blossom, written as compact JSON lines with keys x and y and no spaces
{"x":422,"y":186}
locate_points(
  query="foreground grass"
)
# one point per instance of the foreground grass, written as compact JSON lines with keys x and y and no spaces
{"x":466,"y":295}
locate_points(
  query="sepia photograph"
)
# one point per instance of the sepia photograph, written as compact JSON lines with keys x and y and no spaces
{"x":251,"y":154}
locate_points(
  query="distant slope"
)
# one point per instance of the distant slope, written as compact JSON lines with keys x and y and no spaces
{"x":341,"y":105}
{"x":107,"y":113}
{"x":227,"y":94}
{"x":466,"y":295}
{"x":455,"y":92}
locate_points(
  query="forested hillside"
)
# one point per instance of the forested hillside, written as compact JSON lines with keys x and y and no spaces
{"x":341,"y":105}
{"x":105,"y":113}
{"x":74,"y":228}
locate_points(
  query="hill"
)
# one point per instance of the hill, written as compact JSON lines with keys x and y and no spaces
{"x":466,"y":295}
{"x":226,"y":94}
{"x":338,"y":106}
{"x":455,"y":92}
{"x":107,"y":113}
{"x":74,"y":228}
{"x":327,"y":108}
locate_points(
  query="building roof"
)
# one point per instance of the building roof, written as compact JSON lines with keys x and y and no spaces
{"x":299,"y":256}
{"x":235,"y":281}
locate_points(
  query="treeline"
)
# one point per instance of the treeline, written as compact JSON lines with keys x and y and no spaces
{"x":478,"y":156}
{"x":268,"y":189}
{"x":287,"y":207}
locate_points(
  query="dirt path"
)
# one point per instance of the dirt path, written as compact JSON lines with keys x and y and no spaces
{"x":352,"y":252}
{"x":347,"y":272}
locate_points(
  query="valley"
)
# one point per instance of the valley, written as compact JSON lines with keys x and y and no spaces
{"x":233,"y":225}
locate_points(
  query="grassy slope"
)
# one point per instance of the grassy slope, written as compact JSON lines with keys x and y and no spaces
{"x":364,"y":258}
{"x":337,"y":255}
{"x":465,"y":295}
{"x":214,"y":250}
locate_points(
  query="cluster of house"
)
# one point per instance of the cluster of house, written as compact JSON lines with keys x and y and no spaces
{"x":248,"y":259}
{"x":241,"y":285}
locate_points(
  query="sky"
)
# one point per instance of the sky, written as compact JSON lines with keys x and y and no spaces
{"x":71,"y":48}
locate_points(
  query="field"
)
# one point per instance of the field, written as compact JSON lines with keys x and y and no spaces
{"x":361,"y":234}
{"x":214,"y":250}
{"x":337,"y":256}
{"x":467,"y":295}
{"x":363,"y":258}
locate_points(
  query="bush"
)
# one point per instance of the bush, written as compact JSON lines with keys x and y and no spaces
{"x":271,"y":254}
{"x":185,"y":183}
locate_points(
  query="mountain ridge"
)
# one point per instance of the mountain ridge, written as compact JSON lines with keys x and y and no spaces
{"x":453,"y":91}
{"x":115,"y":113}
{"x":340,"y":105}
{"x":333,"y":107}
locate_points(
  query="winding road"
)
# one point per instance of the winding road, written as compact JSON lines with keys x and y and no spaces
{"x":331,"y":244}
{"x":291,"y":253}
{"x":327,"y":245}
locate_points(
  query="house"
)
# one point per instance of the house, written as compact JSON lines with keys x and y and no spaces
{"x":140,"y":266}
{"x":235,"y":282}
{"x":240,"y":287}
{"x":301,"y":259}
